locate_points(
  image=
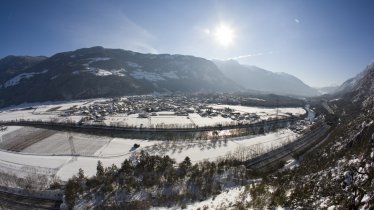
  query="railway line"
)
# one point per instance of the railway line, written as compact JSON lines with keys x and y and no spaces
{"x":273,"y":122}
{"x":14,"y":201}
{"x":264,"y":161}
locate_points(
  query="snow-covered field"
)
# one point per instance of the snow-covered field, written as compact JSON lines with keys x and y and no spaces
{"x":58,"y":144}
{"x":52,"y":154}
{"x":263,"y":113}
{"x":53,"y":111}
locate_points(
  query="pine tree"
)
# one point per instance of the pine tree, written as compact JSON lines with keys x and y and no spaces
{"x":99,"y":170}
{"x":81,"y":174}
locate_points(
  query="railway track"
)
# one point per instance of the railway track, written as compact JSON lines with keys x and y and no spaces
{"x":13,"y":201}
{"x":274,"y":122}
{"x":272,"y":157}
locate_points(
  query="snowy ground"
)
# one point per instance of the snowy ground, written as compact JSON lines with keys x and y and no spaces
{"x":264,"y":113}
{"x":52,"y":154}
{"x":52,"y":112}
{"x":224,"y":200}
{"x":213,"y":149}
{"x":58,"y":144}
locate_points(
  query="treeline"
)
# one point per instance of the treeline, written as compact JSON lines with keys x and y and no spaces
{"x":151,"y":180}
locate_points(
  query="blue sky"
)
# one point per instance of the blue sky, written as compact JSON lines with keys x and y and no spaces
{"x":322,"y":42}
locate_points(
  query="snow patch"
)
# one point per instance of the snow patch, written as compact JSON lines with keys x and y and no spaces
{"x":54,"y":77}
{"x":102,"y":73}
{"x":17,"y":79}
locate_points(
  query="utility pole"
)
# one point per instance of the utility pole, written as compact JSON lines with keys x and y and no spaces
{"x":72,"y":147}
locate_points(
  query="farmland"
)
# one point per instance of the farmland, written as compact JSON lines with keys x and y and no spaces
{"x":60,"y":153}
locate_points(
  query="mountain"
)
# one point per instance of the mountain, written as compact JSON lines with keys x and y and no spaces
{"x":254,"y":78}
{"x":337,"y":172}
{"x":100,"y":72}
{"x":354,"y":83}
{"x":327,"y":90}
{"x":360,"y":89}
{"x":11,"y":65}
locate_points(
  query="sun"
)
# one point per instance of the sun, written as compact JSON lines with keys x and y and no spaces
{"x":224,"y":35}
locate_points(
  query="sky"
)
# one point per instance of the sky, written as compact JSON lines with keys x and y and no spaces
{"x":322,"y":42}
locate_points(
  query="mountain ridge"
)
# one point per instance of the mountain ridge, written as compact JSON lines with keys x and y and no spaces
{"x":100,"y":72}
{"x":255,"y":78}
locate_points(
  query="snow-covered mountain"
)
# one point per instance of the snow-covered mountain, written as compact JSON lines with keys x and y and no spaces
{"x":254,"y":78}
{"x":354,"y":83}
{"x":100,"y":72}
{"x":327,"y":90}
{"x":361,"y":87}
{"x":337,"y":173}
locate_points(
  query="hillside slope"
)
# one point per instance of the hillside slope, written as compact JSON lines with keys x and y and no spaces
{"x":340,"y":173}
{"x":254,"y":78}
{"x":100,"y":72}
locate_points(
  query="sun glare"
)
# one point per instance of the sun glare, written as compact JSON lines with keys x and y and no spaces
{"x":224,"y":35}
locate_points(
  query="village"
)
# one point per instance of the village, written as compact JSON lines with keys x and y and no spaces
{"x":175,"y":107}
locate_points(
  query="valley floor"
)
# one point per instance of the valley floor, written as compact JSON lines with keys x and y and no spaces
{"x":52,"y":155}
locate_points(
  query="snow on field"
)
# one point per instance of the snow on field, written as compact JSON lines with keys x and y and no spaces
{"x":122,"y":147}
{"x":134,"y":120}
{"x":225,"y":200}
{"x":131,"y":120}
{"x":209,"y":121}
{"x":23,"y":165}
{"x":199,"y":150}
{"x":115,"y":151}
{"x":52,"y":111}
{"x":170,"y":120}
{"x":58,"y":144}
{"x":194,"y":119}
{"x":10,"y":129}
{"x":26,"y":115}
{"x":65,"y":105}
{"x":261,"y":110}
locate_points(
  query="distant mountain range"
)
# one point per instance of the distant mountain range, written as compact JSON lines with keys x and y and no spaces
{"x":255,"y":78}
{"x":100,"y":72}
